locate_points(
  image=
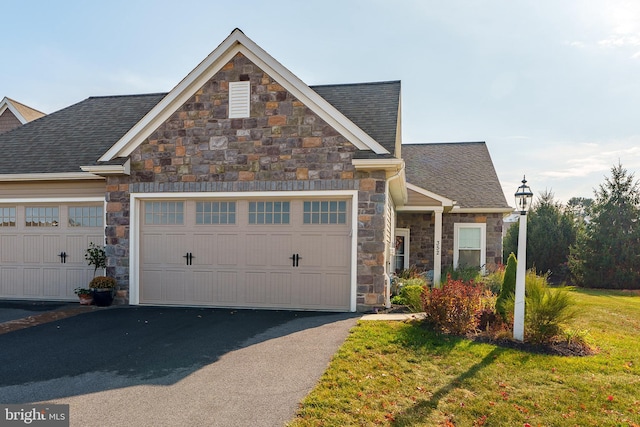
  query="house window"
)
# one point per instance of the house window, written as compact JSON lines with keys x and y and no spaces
{"x":239,"y":100}
{"x":469,"y":245}
{"x":401,"y":260}
{"x":7,"y":217}
{"x":85,"y":216}
{"x":215,"y":213}
{"x":42,"y":217}
{"x":164,"y":213}
{"x":269,"y":212}
{"x":325,"y":212}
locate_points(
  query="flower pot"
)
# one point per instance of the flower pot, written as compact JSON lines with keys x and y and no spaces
{"x":86,"y":299}
{"x":103,"y":297}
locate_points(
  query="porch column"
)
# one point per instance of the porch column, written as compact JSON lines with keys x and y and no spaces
{"x":437,"y":247}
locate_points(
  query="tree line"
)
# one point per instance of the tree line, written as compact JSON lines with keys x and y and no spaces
{"x":589,"y":242}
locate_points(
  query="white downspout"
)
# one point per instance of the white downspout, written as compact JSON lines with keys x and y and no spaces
{"x":387,"y":297}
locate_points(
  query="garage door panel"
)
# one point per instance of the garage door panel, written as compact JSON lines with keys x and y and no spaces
{"x":9,"y":248}
{"x":32,"y":282}
{"x":310,"y":289}
{"x":51,"y":286}
{"x":337,"y":254}
{"x":76,"y":277}
{"x":152,"y":290}
{"x":255,"y":287}
{"x":280,"y":250}
{"x":204,"y":249}
{"x":336,"y":290}
{"x":227,"y":285}
{"x":51,"y":248}
{"x":32,"y":250}
{"x":226,"y":250}
{"x":280,"y":288}
{"x":257,"y":253}
{"x":312,"y":249}
{"x":204,"y":287}
{"x":11,"y":281}
{"x":174,"y":284}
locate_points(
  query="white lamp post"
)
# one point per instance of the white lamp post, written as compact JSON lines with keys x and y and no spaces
{"x":523,"y":203}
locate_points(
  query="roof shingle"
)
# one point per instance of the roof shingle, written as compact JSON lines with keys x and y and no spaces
{"x":462,"y":172}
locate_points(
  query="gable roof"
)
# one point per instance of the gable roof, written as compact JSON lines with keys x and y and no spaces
{"x":63,"y":141}
{"x":23,"y":113}
{"x":462,"y":172}
{"x":236,"y":43}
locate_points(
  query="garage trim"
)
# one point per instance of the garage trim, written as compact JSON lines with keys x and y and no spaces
{"x":136,"y":200}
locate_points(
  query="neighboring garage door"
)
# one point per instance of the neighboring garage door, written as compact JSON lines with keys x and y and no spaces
{"x":291,"y":254}
{"x":42,"y":249}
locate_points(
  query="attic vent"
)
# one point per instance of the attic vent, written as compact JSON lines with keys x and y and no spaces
{"x":239,"y":95}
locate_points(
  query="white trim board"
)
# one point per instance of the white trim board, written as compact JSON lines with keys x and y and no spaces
{"x":134,"y":229}
{"x":237,"y":42}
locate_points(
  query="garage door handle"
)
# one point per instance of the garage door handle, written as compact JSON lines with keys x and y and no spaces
{"x":189,"y":257}
{"x":296,"y":259}
{"x":63,"y":257}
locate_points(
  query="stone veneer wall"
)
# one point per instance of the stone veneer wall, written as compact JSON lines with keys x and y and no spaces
{"x":421,"y":237}
{"x":283,"y":146}
{"x":8,"y":121}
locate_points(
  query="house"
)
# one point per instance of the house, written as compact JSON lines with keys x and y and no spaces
{"x":14,"y":114}
{"x":241,"y":187}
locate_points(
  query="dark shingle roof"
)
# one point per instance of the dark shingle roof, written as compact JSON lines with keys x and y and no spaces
{"x":80,"y":134}
{"x":373,"y":107}
{"x":462,"y":172}
{"x":74,"y":136}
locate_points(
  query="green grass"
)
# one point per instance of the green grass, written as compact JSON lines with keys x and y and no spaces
{"x":401,"y":374}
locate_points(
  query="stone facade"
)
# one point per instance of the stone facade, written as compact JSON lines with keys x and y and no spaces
{"x":282,"y":146}
{"x":422,"y":230}
{"x":8,"y":121}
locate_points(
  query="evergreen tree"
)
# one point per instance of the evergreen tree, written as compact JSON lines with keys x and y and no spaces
{"x":551,"y":230}
{"x":508,"y":288}
{"x":607,"y":254}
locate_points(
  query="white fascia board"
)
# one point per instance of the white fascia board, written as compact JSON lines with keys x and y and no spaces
{"x":66,"y":176}
{"x":444,"y":200}
{"x":238,"y":42}
{"x":420,"y":209}
{"x":378,"y":164}
{"x":6,"y":104}
{"x":458,"y":209}
{"x":104,"y":170}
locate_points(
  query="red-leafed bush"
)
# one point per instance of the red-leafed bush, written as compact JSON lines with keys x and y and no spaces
{"x":454,"y":308}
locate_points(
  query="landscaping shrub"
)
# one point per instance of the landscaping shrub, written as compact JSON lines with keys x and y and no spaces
{"x":410,"y":293}
{"x":508,"y":289}
{"x":454,"y":307}
{"x":546,"y":309}
{"x":493,"y":280}
{"x":465,"y":274}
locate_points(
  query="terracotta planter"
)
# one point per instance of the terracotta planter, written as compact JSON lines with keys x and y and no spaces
{"x":86,"y":299}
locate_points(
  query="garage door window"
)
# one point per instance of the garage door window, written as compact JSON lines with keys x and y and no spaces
{"x":7,"y":217}
{"x":85,"y":216}
{"x":215,"y":213}
{"x":325,"y":212}
{"x":164,"y":213}
{"x":269,"y":212}
{"x":42,"y":217}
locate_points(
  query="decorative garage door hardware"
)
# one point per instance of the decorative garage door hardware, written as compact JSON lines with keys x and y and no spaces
{"x":63,"y":257}
{"x":189,"y":257}
{"x":296,"y":258}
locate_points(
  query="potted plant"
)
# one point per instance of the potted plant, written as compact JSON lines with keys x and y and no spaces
{"x":104,"y":290}
{"x":85,"y":295}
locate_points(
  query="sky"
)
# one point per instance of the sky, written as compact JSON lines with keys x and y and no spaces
{"x":552,"y":86}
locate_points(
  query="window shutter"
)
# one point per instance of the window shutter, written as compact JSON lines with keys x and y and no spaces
{"x":239,"y":96}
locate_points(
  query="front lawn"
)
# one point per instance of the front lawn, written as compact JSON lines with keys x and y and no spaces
{"x":401,"y":374}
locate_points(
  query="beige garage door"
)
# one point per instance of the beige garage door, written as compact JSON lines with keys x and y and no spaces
{"x":42,"y":249}
{"x":293,"y":254}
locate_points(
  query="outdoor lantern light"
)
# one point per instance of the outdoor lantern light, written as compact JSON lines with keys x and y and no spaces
{"x":523,"y":197}
{"x":523,"y":201}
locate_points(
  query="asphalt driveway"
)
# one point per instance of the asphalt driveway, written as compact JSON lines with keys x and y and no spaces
{"x":150,"y":366}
